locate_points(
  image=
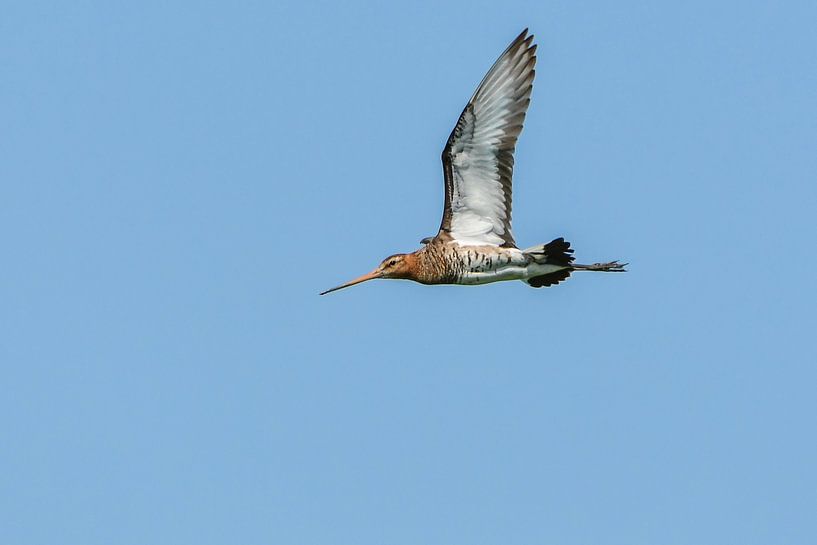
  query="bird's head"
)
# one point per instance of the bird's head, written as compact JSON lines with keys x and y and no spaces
{"x":394,"y":266}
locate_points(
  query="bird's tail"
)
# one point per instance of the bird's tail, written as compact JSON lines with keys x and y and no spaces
{"x":555,"y":252}
{"x":559,"y":253}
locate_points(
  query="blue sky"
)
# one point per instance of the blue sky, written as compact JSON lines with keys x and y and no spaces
{"x":180,"y":180}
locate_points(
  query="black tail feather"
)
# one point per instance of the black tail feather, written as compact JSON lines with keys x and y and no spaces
{"x":555,"y":252}
{"x":550,"y":279}
{"x":559,"y":252}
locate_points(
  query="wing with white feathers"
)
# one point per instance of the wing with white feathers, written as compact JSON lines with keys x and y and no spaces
{"x":478,"y":157}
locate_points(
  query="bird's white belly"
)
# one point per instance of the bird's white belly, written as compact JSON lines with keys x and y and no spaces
{"x":507,"y":272}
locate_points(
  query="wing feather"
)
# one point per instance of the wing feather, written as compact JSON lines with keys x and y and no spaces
{"x":478,"y":157}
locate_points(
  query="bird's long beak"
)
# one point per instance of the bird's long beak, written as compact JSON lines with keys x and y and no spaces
{"x":369,"y":276}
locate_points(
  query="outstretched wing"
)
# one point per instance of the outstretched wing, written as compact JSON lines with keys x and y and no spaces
{"x":478,"y":158}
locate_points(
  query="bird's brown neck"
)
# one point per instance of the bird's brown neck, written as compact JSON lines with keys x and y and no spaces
{"x":429,"y":264}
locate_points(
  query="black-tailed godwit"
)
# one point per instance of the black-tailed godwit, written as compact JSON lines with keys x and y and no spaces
{"x":474,"y":244}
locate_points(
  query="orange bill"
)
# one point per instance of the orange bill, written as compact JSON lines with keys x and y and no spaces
{"x":368,"y":276}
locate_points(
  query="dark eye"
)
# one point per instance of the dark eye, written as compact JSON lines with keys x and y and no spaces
{"x":392,"y":263}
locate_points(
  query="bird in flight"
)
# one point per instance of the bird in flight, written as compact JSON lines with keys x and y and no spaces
{"x":475,"y":244}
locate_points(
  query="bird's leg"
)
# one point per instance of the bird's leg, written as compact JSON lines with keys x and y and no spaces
{"x":611,"y":266}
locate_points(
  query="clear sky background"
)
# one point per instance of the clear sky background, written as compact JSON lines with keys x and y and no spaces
{"x":179,"y":180}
